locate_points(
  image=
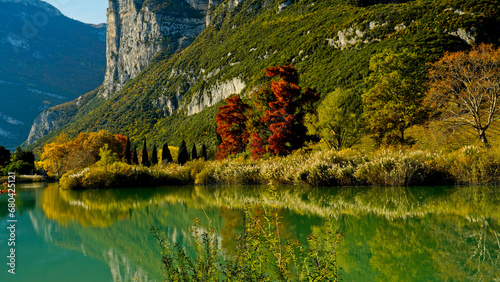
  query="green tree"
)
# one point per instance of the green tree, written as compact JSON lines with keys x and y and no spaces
{"x":204,"y":153}
{"x":25,"y":156}
{"x":338,"y":121}
{"x":19,"y":166}
{"x":135,"y":159}
{"x":145,"y":157}
{"x":106,"y":157}
{"x":154,"y":156}
{"x":183,"y":154}
{"x":128,"y":152}
{"x":394,"y":102}
{"x":166,"y":156}
{"x":194,"y":153}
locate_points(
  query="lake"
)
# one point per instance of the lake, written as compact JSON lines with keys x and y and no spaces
{"x":389,"y":233}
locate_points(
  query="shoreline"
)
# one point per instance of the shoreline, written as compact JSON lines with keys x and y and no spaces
{"x":26,"y":179}
{"x":469,"y":166}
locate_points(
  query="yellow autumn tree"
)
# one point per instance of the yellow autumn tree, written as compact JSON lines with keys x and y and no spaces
{"x":64,"y":154}
{"x":54,"y":155}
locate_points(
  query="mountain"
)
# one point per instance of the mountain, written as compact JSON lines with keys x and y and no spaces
{"x":329,"y":41}
{"x":45,"y":59}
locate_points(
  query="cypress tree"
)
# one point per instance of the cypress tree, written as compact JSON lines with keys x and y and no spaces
{"x":135,"y":159}
{"x":145,"y":157}
{"x":183,"y":153}
{"x":166,"y":156}
{"x":204,"y":152}
{"x":4,"y":156}
{"x":128,"y":152}
{"x":154,"y":157}
{"x":194,"y":153}
{"x":219,"y":139}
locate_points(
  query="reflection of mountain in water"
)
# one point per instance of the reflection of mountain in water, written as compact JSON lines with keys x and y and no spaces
{"x":389,"y":233}
{"x":118,"y":233}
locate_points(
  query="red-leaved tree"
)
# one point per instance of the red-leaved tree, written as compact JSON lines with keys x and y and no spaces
{"x":257,"y":145}
{"x":231,"y":126}
{"x":285,"y":116}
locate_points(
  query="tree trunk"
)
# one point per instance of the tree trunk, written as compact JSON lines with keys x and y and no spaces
{"x":482,"y":136}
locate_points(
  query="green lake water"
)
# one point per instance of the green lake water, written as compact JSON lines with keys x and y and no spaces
{"x":389,"y":233}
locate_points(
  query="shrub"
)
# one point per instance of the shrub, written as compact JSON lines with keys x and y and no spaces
{"x":260,"y":255}
{"x":475,"y":165}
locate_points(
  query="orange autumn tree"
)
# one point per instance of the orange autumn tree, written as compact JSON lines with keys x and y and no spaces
{"x":286,"y":112}
{"x":231,"y":126}
{"x":123,"y":139}
{"x":64,"y":154}
{"x":464,"y":88}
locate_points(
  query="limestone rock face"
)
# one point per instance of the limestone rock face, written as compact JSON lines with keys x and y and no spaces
{"x":43,"y":124}
{"x":138,"y":29}
{"x":215,"y":94}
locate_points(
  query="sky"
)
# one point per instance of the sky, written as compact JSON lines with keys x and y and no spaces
{"x":87,"y":11}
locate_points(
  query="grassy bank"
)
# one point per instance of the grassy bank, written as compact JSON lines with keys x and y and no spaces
{"x":469,"y":165}
{"x":25,"y":178}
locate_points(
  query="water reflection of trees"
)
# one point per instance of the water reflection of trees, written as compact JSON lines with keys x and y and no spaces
{"x":391,"y":233}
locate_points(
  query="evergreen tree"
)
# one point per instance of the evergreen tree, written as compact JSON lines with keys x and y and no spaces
{"x":128,"y":152}
{"x":204,"y":154}
{"x":25,"y":156}
{"x":145,"y":157}
{"x":154,"y":157}
{"x":166,"y":156}
{"x":194,"y":153}
{"x":183,"y":153}
{"x":219,"y":139}
{"x":4,"y":156}
{"x":135,"y":159}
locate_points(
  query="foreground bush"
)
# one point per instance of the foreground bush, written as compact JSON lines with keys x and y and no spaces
{"x":260,"y":255}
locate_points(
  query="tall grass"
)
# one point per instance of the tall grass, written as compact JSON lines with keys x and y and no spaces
{"x":469,"y":165}
{"x":262,"y":254}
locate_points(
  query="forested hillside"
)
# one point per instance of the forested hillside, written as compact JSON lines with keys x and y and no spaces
{"x":330,"y":43}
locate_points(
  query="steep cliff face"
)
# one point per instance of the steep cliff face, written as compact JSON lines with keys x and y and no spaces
{"x":330,"y":43}
{"x":138,"y":29}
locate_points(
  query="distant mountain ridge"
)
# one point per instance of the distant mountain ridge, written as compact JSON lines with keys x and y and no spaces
{"x":45,"y":59}
{"x":53,"y":11}
{"x":329,"y":41}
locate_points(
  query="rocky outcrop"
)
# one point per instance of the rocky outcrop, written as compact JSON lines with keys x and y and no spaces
{"x":214,"y":94}
{"x":138,"y":29}
{"x":43,"y":124}
{"x":465,"y":35}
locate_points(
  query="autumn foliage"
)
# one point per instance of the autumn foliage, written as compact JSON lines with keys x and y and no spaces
{"x":464,"y":88}
{"x":276,"y":123}
{"x":64,"y":154}
{"x":231,"y":126}
{"x":285,"y":116}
